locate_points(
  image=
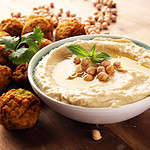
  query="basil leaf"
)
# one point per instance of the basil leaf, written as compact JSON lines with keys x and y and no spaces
{"x":99,"y":57}
{"x":78,"y":50}
{"x":92,"y":52}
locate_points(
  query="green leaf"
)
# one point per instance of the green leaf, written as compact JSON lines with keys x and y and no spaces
{"x":99,"y":57}
{"x":78,"y":50}
{"x":10,"y":42}
{"x":92,"y":52}
{"x":21,"y":56}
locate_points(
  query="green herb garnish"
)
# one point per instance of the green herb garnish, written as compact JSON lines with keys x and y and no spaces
{"x":24,"y":47}
{"x":92,"y":54}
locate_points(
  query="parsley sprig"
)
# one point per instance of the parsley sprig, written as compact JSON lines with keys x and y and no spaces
{"x":95,"y":57}
{"x":24,"y":47}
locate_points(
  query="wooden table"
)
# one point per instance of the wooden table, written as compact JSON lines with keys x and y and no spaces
{"x":55,"y":132}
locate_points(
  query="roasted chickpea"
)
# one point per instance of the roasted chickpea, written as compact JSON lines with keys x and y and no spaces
{"x":85,"y":63}
{"x":110,"y":69}
{"x":102,"y":76}
{"x":88,"y":77}
{"x":77,"y":60}
{"x":91,"y":70}
{"x":117,"y":64}
{"x":105,"y":63}
{"x":96,"y":135}
{"x":100,"y":69}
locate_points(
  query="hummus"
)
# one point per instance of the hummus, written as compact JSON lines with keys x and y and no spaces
{"x":51,"y":75}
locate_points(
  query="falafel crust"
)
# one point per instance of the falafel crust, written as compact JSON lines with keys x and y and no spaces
{"x":44,"y":42}
{"x":20,"y":75}
{"x":19,"y":109}
{"x":69,"y":28}
{"x":12,"y":26}
{"x":5,"y":74}
{"x":45,"y":24}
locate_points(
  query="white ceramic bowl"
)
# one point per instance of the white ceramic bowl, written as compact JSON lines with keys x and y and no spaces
{"x":84,"y":114}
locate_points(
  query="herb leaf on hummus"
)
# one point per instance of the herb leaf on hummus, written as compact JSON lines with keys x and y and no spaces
{"x":78,"y":50}
{"x":93,"y":56}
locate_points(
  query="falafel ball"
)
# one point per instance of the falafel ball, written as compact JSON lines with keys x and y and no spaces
{"x":3,"y":33}
{"x":5,"y":74}
{"x":69,"y":28}
{"x":4,"y":56}
{"x":20,"y":75}
{"x":13,"y":26}
{"x":44,"y":42}
{"x":19,"y":109}
{"x":45,"y":24}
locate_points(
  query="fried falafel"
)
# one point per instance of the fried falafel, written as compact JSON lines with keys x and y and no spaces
{"x":5,"y":74}
{"x":4,"y":56}
{"x":45,"y":24}
{"x":3,"y":33}
{"x":19,"y":109}
{"x":69,"y":28}
{"x":13,"y":26}
{"x":44,"y":42}
{"x":20,"y":75}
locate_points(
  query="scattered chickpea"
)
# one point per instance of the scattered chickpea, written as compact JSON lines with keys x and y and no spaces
{"x":114,"y":11}
{"x":52,"y":5}
{"x":109,"y":3}
{"x":102,"y":76}
{"x":88,"y":77}
{"x":77,"y":60}
{"x":113,"y":18}
{"x":73,"y":15}
{"x":91,"y":70}
{"x":105,"y":63}
{"x":110,"y":69}
{"x":68,"y":13}
{"x":98,"y":7}
{"x":105,"y":25}
{"x":100,"y":69}
{"x":96,"y":135}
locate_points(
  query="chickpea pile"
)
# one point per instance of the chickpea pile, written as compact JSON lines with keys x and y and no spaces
{"x":105,"y":14}
{"x":102,"y":71}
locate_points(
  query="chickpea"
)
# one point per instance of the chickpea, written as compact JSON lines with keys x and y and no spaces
{"x":100,"y":69}
{"x":98,"y":7}
{"x":88,"y":77}
{"x":110,"y":69}
{"x":85,"y":61}
{"x":105,"y":63}
{"x":117,"y":64}
{"x":96,"y":135}
{"x":113,"y":18}
{"x":114,"y":11}
{"x":105,"y":25}
{"x":102,"y":76}
{"x":91,"y":70}
{"x":52,"y":5}
{"x":68,"y":13}
{"x":109,"y":3}
{"x":77,"y":60}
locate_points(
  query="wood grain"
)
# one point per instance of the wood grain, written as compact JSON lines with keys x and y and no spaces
{"x":55,"y":132}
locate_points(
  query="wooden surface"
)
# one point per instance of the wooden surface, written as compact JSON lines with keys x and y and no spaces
{"x":55,"y":132}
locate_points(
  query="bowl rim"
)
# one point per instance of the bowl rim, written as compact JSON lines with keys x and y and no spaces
{"x":33,"y":64}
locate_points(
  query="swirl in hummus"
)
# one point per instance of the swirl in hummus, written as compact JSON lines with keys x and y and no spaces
{"x":51,"y":75}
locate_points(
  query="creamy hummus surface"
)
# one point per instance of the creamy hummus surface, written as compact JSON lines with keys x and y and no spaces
{"x":51,"y":75}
